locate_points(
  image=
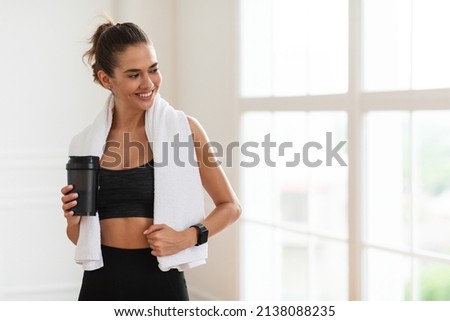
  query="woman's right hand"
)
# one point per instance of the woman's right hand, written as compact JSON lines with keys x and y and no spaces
{"x":68,"y":202}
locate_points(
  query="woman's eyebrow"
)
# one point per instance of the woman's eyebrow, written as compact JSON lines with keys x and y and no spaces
{"x":138,"y":70}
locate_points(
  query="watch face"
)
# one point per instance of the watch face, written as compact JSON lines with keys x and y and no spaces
{"x":202,"y":235}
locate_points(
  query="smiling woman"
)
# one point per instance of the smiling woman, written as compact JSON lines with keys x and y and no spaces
{"x":136,"y":80}
{"x":140,"y":230}
{"x":125,"y":71}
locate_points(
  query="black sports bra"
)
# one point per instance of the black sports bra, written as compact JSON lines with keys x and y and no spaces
{"x":126,"y":193}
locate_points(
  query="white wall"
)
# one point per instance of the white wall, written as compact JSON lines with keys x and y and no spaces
{"x":47,"y":95}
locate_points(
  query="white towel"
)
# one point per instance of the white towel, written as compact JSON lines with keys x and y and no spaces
{"x":88,"y":252}
{"x":178,"y":190}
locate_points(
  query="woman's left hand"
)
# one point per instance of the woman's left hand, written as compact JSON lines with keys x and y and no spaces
{"x":164,"y":240}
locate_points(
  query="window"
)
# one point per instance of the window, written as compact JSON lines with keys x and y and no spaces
{"x":374,"y":75}
{"x":293,"y":47}
{"x":405,"y":44}
{"x":296,"y":215}
{"x":408,"y":214}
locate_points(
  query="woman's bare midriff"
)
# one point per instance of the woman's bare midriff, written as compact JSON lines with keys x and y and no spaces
{"x":126,"y":232}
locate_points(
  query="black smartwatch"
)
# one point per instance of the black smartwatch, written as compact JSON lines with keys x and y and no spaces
{"x":202,"y":235}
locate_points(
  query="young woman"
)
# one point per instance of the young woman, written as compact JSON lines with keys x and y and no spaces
{"x":124,"y":62}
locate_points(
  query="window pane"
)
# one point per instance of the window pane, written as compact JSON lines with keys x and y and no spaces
{"x":257,"y":186}
{"x":312,"y":268}
{"x":433,"y":281}
{"x":286,"y":46}
{"x":431,"y":170}
{"x":295,"y":267}
{"x":387,"y":179}
{"x":275,"y":263}
{"x":286,"y":200}
{"x":258,"y":262}
{"x":316,"y":189}
{"x":407,"y":200}
{"x":388,"y":276}
{"x":386,"y":44}
{"x":408,"y":49}
{"x":430,"y":45}
{"x":329,"y":270}
{"x":290,"y":182}
{"x":328,"y":184}
{"x":289,"y":186}
{"x":256,"y":48}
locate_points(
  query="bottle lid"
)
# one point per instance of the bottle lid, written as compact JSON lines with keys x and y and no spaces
{"x":83,"y":162}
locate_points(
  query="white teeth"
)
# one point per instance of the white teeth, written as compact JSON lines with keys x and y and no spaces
{"x":145,"y":95}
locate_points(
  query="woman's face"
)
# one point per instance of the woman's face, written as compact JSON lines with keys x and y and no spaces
{"x":136,"y":80}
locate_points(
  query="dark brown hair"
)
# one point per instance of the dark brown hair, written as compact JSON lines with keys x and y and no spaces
{"x":108,"y":41}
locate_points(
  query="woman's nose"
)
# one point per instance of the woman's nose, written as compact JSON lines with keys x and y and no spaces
{"x":147,"y":82}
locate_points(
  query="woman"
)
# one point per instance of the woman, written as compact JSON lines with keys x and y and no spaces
{"x":124,"y":62}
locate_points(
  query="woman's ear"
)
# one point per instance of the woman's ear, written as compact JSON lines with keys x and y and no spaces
{"x":105,"y":80}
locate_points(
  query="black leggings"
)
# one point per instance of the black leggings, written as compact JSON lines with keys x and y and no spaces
{"x":132,"y":275}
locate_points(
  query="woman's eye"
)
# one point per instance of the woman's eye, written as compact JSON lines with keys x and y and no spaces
{"x":134,"y":75}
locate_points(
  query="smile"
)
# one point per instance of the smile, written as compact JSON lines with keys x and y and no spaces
{"x":145,"y":95}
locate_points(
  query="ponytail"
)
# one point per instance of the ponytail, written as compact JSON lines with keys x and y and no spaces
{"x":108,"y":41}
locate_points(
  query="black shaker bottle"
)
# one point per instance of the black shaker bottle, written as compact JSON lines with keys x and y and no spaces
{"x":82,"y":173}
